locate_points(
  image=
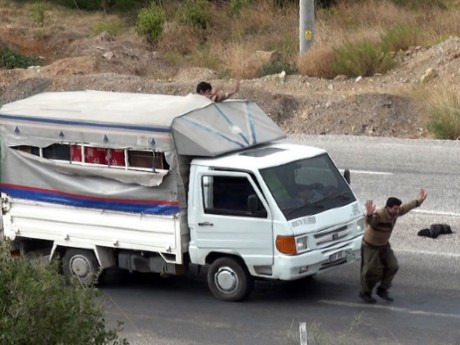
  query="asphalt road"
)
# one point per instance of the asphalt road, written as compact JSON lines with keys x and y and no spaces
{"x":426,"y":311}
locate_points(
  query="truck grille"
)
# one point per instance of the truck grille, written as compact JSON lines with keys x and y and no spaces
{"x":330,"y":236}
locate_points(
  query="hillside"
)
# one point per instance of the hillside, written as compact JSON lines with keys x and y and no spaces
{"x":375,"y":106}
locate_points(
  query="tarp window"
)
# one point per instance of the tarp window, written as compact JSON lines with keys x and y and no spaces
{"x":79,"y":154}
{"x":29,"y":149}
{"x":57,"y":151}
{"x":146,"y":159}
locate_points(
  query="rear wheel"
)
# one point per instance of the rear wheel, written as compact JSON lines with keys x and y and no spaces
{"x":82,"y":265}
{"x":229,"y":280}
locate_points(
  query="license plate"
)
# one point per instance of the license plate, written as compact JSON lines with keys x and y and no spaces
{"x":343,"y":254}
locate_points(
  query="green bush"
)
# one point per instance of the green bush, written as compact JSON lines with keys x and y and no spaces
{"x":193,"y":12}
{"x":113,"y":27}
{"x":362,"y":59}
{"x":38,"y":307}
{"x":38,"y":13}
{"x":9,"y":59}
{"x":444,"y":116}
{"x":400,"y":37}
{"x":236,"y":6}
{"x":150,"y":23}
{"x":275,"y":68}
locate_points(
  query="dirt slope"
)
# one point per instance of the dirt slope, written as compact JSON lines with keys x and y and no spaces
{"x":373,"y":106}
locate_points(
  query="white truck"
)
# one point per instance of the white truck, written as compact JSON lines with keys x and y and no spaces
{"x":154,"y":183}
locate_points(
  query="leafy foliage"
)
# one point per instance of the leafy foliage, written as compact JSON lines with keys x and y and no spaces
{"x":362,"y":59}
{"x":10,"y":59}
{"x":236,"y":6}
{"x":276,"y":67}
{"x":400,"y":37}
{"x":193,"y":12}
{"x":39,"y":308}
{"x":150,"y":23}
{"x":38,"y":13}
{"x":113,"y":27}
{"x":444,"y":114}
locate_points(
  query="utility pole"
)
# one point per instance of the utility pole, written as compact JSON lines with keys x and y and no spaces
{"x":306,"y":24}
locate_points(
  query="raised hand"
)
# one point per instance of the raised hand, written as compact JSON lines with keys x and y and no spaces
{"x":421,"y":196}
{"x":370,"y":207}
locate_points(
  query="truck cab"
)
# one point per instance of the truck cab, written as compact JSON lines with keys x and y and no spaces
{"x":279,"y":211}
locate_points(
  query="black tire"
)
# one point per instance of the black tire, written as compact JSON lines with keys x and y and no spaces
{"x":229,"y":280}
{"x":80,"y":264}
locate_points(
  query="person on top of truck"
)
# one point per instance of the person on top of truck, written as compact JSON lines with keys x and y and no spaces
{"x":214,"y":93}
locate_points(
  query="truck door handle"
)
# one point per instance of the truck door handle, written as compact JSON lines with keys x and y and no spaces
{"x":205,"y":224}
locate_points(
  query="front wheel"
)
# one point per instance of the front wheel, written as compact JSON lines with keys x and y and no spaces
{"x":82,"y":265}
{"x":229,"y":280}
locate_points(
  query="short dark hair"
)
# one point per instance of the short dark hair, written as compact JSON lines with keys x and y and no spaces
{"x":393,"y":202}
{"x":203,"y":86}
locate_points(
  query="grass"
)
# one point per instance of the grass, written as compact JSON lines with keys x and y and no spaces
{"x":444,"y":114}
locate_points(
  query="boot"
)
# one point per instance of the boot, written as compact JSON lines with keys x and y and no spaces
{"x":383,"y":293}
{"x":367,"y":297}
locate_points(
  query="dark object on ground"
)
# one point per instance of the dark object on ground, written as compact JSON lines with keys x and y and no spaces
{"x":435,"y":230}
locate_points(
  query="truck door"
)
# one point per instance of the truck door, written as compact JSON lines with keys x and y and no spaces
{"x":233,"y":217}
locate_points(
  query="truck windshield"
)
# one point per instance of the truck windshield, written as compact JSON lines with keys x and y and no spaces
{"x":308,"y":186}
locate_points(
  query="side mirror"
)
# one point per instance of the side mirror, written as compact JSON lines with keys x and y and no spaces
{"x":346,"y":175}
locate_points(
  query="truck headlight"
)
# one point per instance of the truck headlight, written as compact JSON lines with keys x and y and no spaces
{"x":301,"y":244}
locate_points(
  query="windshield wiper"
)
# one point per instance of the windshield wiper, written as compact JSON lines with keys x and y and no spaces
{"x":342,"y":195}
{"x":296,"y":208}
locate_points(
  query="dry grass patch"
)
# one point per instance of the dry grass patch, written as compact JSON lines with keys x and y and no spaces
{"x":317,"y":62}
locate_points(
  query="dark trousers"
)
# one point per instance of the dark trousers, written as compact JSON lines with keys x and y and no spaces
{"x":378,"y":264}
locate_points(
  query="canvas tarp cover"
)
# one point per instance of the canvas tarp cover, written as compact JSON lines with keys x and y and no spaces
{"x":200,"y":126}
{"x":223,"y":127}
{"x":121,"y":120}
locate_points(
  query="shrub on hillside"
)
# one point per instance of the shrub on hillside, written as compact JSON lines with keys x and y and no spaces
{"x":38,"y":13}
{"x":275,"y":68}
{"x":38,"y":307}
{"x":362,"y":59}
{"x":113,"y":27}
{"x":400,"y":37}
{"x":193,"y":13}
{"x":236,"y":6}
{"x":444,"y":115}
{"x":150,"y":23}
{"x":10,"y":59}
{"x":317,"y":62}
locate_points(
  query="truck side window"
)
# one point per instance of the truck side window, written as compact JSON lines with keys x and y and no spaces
{"x":227,"y":195}
{"x":147,"y":159}
{"x":93,"y":155}
{"x":57,"y":151}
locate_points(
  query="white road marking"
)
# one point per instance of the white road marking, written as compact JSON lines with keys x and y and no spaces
{"x":427,"y":252}
{"x":367,"y":172}
{"x":370,"y":172}
{"x":437,"y":213}
{"x":388,"y":307}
